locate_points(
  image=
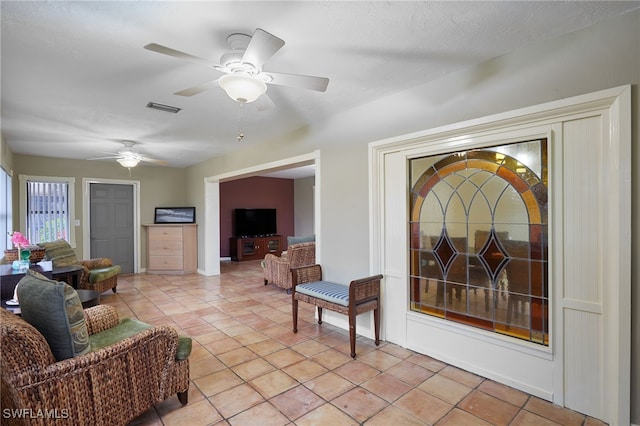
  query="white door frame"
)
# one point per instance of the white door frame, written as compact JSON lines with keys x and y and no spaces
{"x":520,"y":364}
{"x":211,"y":229}
{"x":86,"y":216}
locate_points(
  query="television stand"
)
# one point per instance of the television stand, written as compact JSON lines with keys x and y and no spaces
{"x":255,"y":248}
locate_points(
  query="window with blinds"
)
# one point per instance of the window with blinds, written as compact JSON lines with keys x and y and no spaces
{"x":48,"y":203}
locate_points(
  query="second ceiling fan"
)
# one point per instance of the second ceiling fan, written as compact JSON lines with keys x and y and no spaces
{"x":129,"y":158}
{"x":244,"y":80}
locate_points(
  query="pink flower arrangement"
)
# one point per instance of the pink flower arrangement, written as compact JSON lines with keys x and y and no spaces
{"x":19,"y":240}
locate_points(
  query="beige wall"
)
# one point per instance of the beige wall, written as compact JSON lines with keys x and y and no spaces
{"x":303,"y":205}
{"x":599,"y":57}
{"x":159,"y":186}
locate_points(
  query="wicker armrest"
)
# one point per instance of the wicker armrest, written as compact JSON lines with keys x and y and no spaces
{"x":271,"y":257}
{"x":365,"y":289}
{"x":160,"y":341}
{"x":96,"y":263}
{"x":281,"y":259}
{"x":100,"y":318}
{"x":305,"y":274}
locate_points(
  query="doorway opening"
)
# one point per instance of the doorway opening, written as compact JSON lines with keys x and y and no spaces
{"x":210,"y":251}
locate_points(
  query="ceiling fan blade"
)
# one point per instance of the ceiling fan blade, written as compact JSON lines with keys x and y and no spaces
{"x":103,"y":158}
{"x":158,"y":48}
{"x":194,"y":90}
{"x":262,"y":46}
{"x":155,"y":161}
{"x":264,"y":103}
{"x":296,"y":80}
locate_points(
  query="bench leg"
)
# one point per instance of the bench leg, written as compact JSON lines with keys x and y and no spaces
{"x":376,"y":324}
{"x":319,"y":315}
{"x":352,"y":331}
{"x":294,"y":308}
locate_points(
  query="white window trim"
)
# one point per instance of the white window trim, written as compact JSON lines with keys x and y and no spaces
{"x":70,"y":200}
{"x":7,"y":224}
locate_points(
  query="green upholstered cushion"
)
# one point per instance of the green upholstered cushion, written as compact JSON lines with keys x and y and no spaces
{"x":127,"y":328}
{"x":101,"y":274}
{"x":60,"y":253}
{"x":304,"y":239}
{"x":184,"y":347}
{"x":54,"y":309}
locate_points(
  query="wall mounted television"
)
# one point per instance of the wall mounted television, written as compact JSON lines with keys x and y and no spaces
{"x":254,"y":222}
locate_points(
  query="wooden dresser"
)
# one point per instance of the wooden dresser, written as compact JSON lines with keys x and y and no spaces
{"x":172,"y":249}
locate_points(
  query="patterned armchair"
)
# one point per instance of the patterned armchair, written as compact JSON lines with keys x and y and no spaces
{"x":277,"y":270}
{"x":109,"y":385}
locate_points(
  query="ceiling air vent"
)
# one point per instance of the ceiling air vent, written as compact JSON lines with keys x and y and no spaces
{"x":161,"y":107}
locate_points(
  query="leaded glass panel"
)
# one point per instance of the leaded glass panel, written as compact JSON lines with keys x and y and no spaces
{"x":478,"y":238}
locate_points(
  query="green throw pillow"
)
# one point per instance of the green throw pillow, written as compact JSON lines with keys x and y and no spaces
{"x":54,"y":309}
{"x":60,"y":253}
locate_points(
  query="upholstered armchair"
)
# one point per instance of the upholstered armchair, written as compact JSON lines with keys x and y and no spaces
{"x":99,"y":274}
{"x":277,"y":269}
{"x":131,"y":366}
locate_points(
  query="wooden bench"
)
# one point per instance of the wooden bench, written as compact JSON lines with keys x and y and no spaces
{"x":359,"y":296}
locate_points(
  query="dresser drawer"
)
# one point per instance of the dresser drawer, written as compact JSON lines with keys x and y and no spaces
{"x":165,"y":263}
{"x":165,"y":233}
{"x":165,"y":248}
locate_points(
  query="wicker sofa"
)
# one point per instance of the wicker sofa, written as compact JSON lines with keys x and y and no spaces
{"x":277,"y":269}
{"x":109,"y":386}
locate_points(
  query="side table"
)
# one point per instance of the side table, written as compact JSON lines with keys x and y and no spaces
{"x":88,"y":298}
{"x":69,"y":274}
{"x":9,"y":277}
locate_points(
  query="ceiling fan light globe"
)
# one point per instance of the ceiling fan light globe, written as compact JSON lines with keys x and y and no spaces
{"x":128,"y":162}
{"x":240,"y":86}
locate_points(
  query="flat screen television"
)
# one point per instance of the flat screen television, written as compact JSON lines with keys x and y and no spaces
{"x":255,"y":222}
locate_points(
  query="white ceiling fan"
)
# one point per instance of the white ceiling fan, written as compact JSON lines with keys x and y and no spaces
{"x":129,"y":158}
{"x":244,"y":79}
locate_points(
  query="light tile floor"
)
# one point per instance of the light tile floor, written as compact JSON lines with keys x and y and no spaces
{"x":249,"y":368}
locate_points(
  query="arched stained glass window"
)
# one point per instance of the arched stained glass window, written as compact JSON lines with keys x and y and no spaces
{"x":479,"y":238}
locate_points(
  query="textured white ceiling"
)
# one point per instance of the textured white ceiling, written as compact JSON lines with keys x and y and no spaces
{"x":76,"y":79}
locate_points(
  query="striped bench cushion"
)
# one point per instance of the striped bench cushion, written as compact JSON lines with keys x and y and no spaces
{"x":325,"y":290}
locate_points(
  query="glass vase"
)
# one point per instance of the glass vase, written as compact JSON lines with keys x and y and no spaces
{"x":25,"y":254}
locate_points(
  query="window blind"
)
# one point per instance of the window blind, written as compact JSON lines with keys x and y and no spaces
{"x":48,"y":211}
